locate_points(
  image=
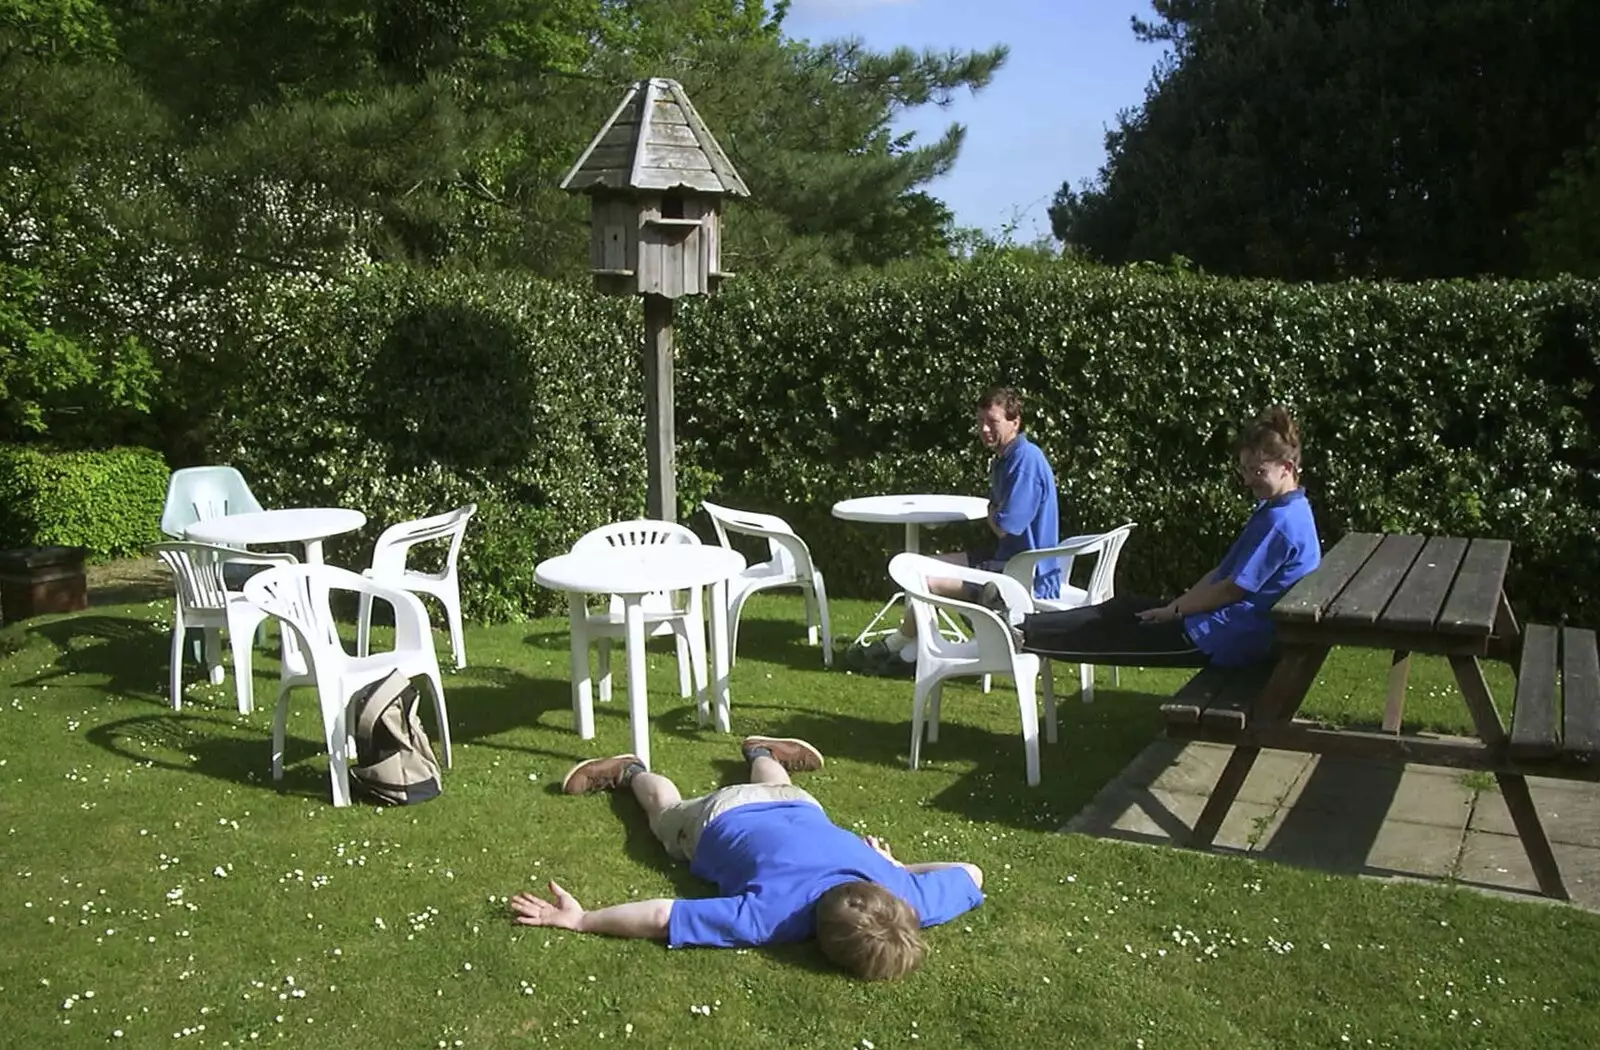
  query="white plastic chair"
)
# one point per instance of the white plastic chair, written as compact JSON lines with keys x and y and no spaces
{"x":1107,"y":546}
{"x":389,"y":566}
{"x":990,"y":650}
{"x":202,"y":493}
{"x":790,"y":565}
{"x":203,"y":600}
{"x":663,"y":613}
{"x":297,"y":596}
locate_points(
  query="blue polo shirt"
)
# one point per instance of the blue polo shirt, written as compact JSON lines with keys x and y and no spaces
{"x":1023,"y":487}
{"x":1278,"y":546}
{"x":772,"y":860}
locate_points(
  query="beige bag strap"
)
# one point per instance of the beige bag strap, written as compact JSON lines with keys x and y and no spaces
{"x":378,"y":701}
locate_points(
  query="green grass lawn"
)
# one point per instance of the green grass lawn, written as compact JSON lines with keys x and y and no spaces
{"x":157,"y":885}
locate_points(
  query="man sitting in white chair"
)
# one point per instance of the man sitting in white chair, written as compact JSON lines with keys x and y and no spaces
{"x":1022,"y":512}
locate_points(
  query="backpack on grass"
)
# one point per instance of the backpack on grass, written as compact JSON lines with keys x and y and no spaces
{"x":394,"y":760}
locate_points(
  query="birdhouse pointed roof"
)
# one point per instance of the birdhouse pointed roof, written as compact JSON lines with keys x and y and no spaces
{"x":655,"y":141}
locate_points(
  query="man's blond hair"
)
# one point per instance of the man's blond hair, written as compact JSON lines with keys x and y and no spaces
{"x":865,"y":929}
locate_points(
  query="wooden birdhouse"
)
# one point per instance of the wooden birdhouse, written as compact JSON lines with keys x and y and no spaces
{"x":655,"y":179}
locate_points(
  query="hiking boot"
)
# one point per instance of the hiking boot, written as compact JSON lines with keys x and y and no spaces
{"x":796,"y":756}
{"x":599,"y":774}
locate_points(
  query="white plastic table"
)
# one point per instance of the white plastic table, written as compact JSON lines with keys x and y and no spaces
{"x":304,"y":525}
{"x":631,"y":573}
{"x":913,"y":511}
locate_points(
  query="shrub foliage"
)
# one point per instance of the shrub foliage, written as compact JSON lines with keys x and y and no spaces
{"x":1447,"y":407}
{"x":108,"y":501}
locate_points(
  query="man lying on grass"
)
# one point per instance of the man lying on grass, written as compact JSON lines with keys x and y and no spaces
{"x":785,"y":871}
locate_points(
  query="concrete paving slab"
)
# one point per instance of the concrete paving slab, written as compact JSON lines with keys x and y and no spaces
{"x":1412,"y":822}
{"x":1195,"y":769}
{"x":1499,"y":862}
{"x":1416,"y":795}
{"x":1155,"y":815}
{"x":1386,"y":848}
{"x":1569,"y":811}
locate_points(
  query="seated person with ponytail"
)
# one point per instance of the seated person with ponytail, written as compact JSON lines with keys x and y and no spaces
{"x":1225,"y":618}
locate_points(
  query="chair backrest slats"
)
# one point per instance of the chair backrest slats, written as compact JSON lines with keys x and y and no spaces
{"x":197,"y":570}
{"x":1102,"y":581}
{"x":297,"y":595}
{"x":201,"y":493}
{"x":639,"y":533}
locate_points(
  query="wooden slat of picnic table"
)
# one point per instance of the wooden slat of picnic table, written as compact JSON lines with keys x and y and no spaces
{"x":1416,"y":605}
{"x":1474,"y":598}
{"x":1306,"y":600}
{"x":1368,"y":592}
{"x":1534,"y":728}
{"x":1580,"y":691}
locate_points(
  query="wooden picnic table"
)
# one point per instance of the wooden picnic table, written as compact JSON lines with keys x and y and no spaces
{"x":1407,"y":594}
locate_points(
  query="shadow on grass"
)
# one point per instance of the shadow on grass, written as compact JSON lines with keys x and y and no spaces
{"x":492,"y":706}
{"x":780,"y":641}
{"x":776,"y":640}
{"x":486,"y":702}
{"x":129,"y":652}
{"x":1095,"y":741}
{"x":212,"y":747}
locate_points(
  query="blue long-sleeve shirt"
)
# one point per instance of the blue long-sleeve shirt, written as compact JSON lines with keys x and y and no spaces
{"x":1022,"y":488}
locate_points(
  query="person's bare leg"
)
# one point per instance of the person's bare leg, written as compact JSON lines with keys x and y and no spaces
{"x":940,"y":585}
{"x":654,"y":792}
{"x":766,"y":770}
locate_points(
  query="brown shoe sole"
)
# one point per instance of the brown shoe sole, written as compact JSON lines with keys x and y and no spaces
{"x":792,"y":753}
{"x":593,"y":765}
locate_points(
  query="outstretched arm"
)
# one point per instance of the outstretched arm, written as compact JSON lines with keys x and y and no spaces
{"x":644,"y":920}
{"x":972,"y":870}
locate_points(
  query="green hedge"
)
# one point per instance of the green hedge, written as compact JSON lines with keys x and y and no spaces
{"x":402,"y":396}
{"x":1462,"y":407}
{"x":108,"y":501}
{"x":1466,"y":408}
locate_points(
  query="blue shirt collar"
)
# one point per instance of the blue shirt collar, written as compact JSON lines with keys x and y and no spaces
{"x":1016,"y":443}
{"x":1283,"y":500}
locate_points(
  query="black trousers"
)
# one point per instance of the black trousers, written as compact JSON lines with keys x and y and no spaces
{"x":1112,"y":634}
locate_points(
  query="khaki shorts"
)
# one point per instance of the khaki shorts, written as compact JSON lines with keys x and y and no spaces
{"x":681,"y":824}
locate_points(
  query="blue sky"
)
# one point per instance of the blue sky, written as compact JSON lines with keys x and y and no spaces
{"x":1073,"y":65}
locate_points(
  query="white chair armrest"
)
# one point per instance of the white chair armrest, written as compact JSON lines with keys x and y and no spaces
{"x":988,"y":629}
{"x":777,"y":540}
{"x":411,"y":627}
{"x":1020,"y":567}
{"x":269,"y":558}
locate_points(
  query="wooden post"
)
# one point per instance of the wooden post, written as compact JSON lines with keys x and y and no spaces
{"x":661,"y":492}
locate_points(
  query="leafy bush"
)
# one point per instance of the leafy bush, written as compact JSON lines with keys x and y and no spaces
{"x":404,"y":395}
{"x":1449,"y":407}
{"x":60,"y":386}
{"x":108,"y":501}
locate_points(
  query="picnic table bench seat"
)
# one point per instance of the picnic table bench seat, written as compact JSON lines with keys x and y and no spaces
{"x":1557,"y":712}
{"x":1216,"y":699}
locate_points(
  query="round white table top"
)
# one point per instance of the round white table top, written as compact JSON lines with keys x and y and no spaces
{"x":919,"y":509}
{"x":293,"y":525}
{"x":639,"y":570}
